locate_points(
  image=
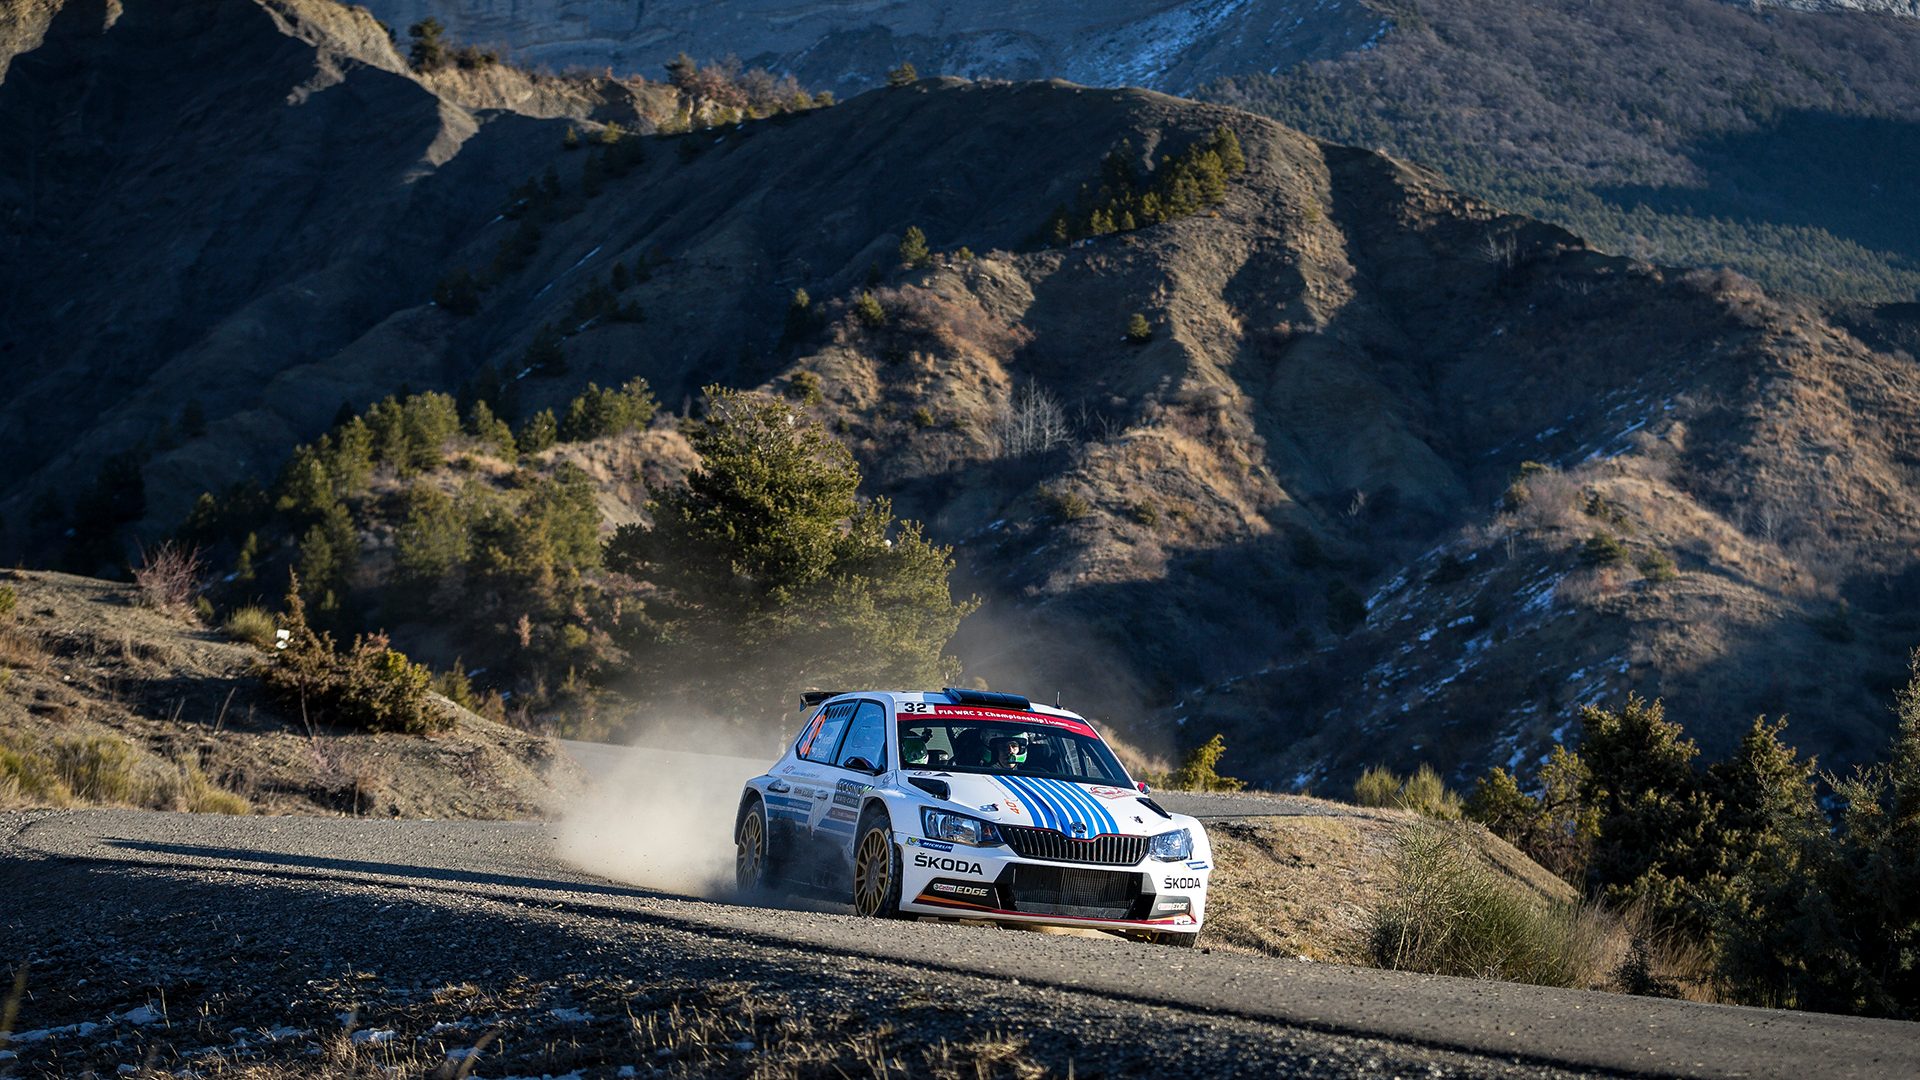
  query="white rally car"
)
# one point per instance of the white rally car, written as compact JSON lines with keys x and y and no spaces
{"x":969,"y":804}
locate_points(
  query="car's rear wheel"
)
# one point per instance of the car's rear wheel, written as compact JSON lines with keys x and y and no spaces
{"x":876,"y":869}
{"x":750,"y":851}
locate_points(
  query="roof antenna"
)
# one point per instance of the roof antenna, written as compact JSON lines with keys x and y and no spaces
{"x":1056,"y":699}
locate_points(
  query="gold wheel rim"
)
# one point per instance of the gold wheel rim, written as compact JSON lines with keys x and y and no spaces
{"x":746,"y":859}
{"x":872,"y":872}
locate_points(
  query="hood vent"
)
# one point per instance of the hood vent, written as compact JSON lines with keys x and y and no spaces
{"x":939,"y":789}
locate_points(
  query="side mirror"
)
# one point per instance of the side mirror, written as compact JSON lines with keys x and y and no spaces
{"x":1144,"y":789}
{"x":860,"y":764}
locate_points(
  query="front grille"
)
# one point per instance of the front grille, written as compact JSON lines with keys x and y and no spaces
{"x":1109,"y":849}
{"x":1086,"y":894}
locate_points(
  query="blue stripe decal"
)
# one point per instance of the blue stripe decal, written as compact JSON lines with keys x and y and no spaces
{"x":836,"y":826}
{"x":788,"y":815}
{"x":789,"y":801}
{"x":1098,"y":821}
{"x":1042,"y":813}
{"x":1101,"y":807}
{"x":1062,"y":813}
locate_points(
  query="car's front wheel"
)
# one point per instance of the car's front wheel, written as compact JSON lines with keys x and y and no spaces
{"x":750,"y":851}
{"x":876,"y":868}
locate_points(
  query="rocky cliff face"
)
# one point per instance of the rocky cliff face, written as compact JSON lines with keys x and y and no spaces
{"x":847,"y":45}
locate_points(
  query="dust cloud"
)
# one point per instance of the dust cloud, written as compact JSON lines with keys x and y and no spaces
{"x":663,"y":819}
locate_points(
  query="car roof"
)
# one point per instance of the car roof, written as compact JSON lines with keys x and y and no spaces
{"x":939,"y":697}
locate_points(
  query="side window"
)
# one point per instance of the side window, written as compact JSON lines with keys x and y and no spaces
{"x":867,"y":738}
{"x":820,"y":743}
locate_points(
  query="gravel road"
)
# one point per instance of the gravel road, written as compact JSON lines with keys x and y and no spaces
{"x":308,"y":926}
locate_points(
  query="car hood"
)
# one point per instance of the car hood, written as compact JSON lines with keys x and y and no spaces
{"x":1073,"y":809}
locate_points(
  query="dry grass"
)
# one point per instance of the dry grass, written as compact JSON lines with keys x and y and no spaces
{"x":1445,"y":913}
{"x":105,"y":770}
{"x":253,"y":625}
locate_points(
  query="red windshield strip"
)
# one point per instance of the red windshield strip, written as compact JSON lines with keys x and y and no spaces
{"x":978,"y":712}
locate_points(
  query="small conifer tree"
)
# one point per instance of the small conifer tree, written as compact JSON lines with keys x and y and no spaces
{"x":913,"y":248}
{"x":1139,"y":331}
{"x":904,"y":75}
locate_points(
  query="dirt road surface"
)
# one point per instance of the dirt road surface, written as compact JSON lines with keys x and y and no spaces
{"x":240,"y":927}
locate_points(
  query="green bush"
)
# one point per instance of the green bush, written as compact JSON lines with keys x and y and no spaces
{"x":913,"y":248}
{"x":869,"y":312}
{"x":923,"y":418}
{"x":9,"y":601}
{"x":1603,"y":549}
{"x":1444,"y":912}
{"x":904,"y":75}
{"x":1139,"y":331}
{"x":1064,"y":504}
{"x":253,"y":625}
{"x":371,"y":686}
{"x":1658,"y":566}
{"x":804,"y":387}
{"x":599,"y":414}
{"x":1200,"y":771}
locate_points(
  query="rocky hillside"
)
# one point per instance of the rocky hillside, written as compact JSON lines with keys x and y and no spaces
{"x":104,"y":701}
{"x":1284,"y":507}
{"x":1772,"y":138}
{"x":1170,"y":45}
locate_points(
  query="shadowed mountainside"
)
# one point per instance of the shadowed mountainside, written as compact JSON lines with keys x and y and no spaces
{"x":1286,"y":515}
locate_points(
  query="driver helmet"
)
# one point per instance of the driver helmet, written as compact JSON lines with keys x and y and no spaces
{"x":1015,"y":749}
{"x":913,"y":748}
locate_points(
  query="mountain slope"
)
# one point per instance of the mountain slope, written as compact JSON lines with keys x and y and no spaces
{"x":1772,"y":139}
{"x":1281,"y":515}
{"x":1169,"y":45}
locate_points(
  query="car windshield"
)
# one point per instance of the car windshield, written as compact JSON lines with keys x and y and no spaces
{"x":1049,"y":747}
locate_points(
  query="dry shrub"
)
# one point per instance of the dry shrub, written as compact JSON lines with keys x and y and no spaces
{"x":1584,"y":588}
{"x":28,"y":777}
{"x":187,"y":788}
{"x":253,"y":625}
{"x":1446,"y":913}
{"x":1425,"y":792}
{"x":98,"y":769}
{"x":169,"y":576}
{"x":954,"y":324}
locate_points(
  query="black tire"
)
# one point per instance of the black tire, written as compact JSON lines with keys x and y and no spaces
{"x":876,"y":868}
{"x":752,"y":850}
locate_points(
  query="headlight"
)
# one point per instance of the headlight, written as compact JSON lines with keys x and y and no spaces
{"x":1169,"y":846}
{"x":959,"y":828}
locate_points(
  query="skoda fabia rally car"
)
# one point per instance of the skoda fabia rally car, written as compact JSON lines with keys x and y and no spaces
{"x":970,"y":804}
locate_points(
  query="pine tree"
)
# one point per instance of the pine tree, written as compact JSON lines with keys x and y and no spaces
{"x":869,"y":312}
{"x":769,"y":565}
{"x":913,"y":248}
{"x":1227,"y":145}
{"x":540,"y":432}
{"x":429,"y":51}
{"x":546,"y":356}
{"x":1139,"y":331}
{"x":904,"y":75}
{"x":799,"y":317}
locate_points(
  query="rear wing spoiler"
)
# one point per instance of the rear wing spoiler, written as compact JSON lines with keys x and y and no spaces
{"x":810,"y":698}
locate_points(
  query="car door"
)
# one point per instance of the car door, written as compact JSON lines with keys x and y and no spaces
{"x":861,"y":756}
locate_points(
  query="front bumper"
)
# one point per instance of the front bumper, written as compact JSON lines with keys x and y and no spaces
{"x":996,"y":884}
